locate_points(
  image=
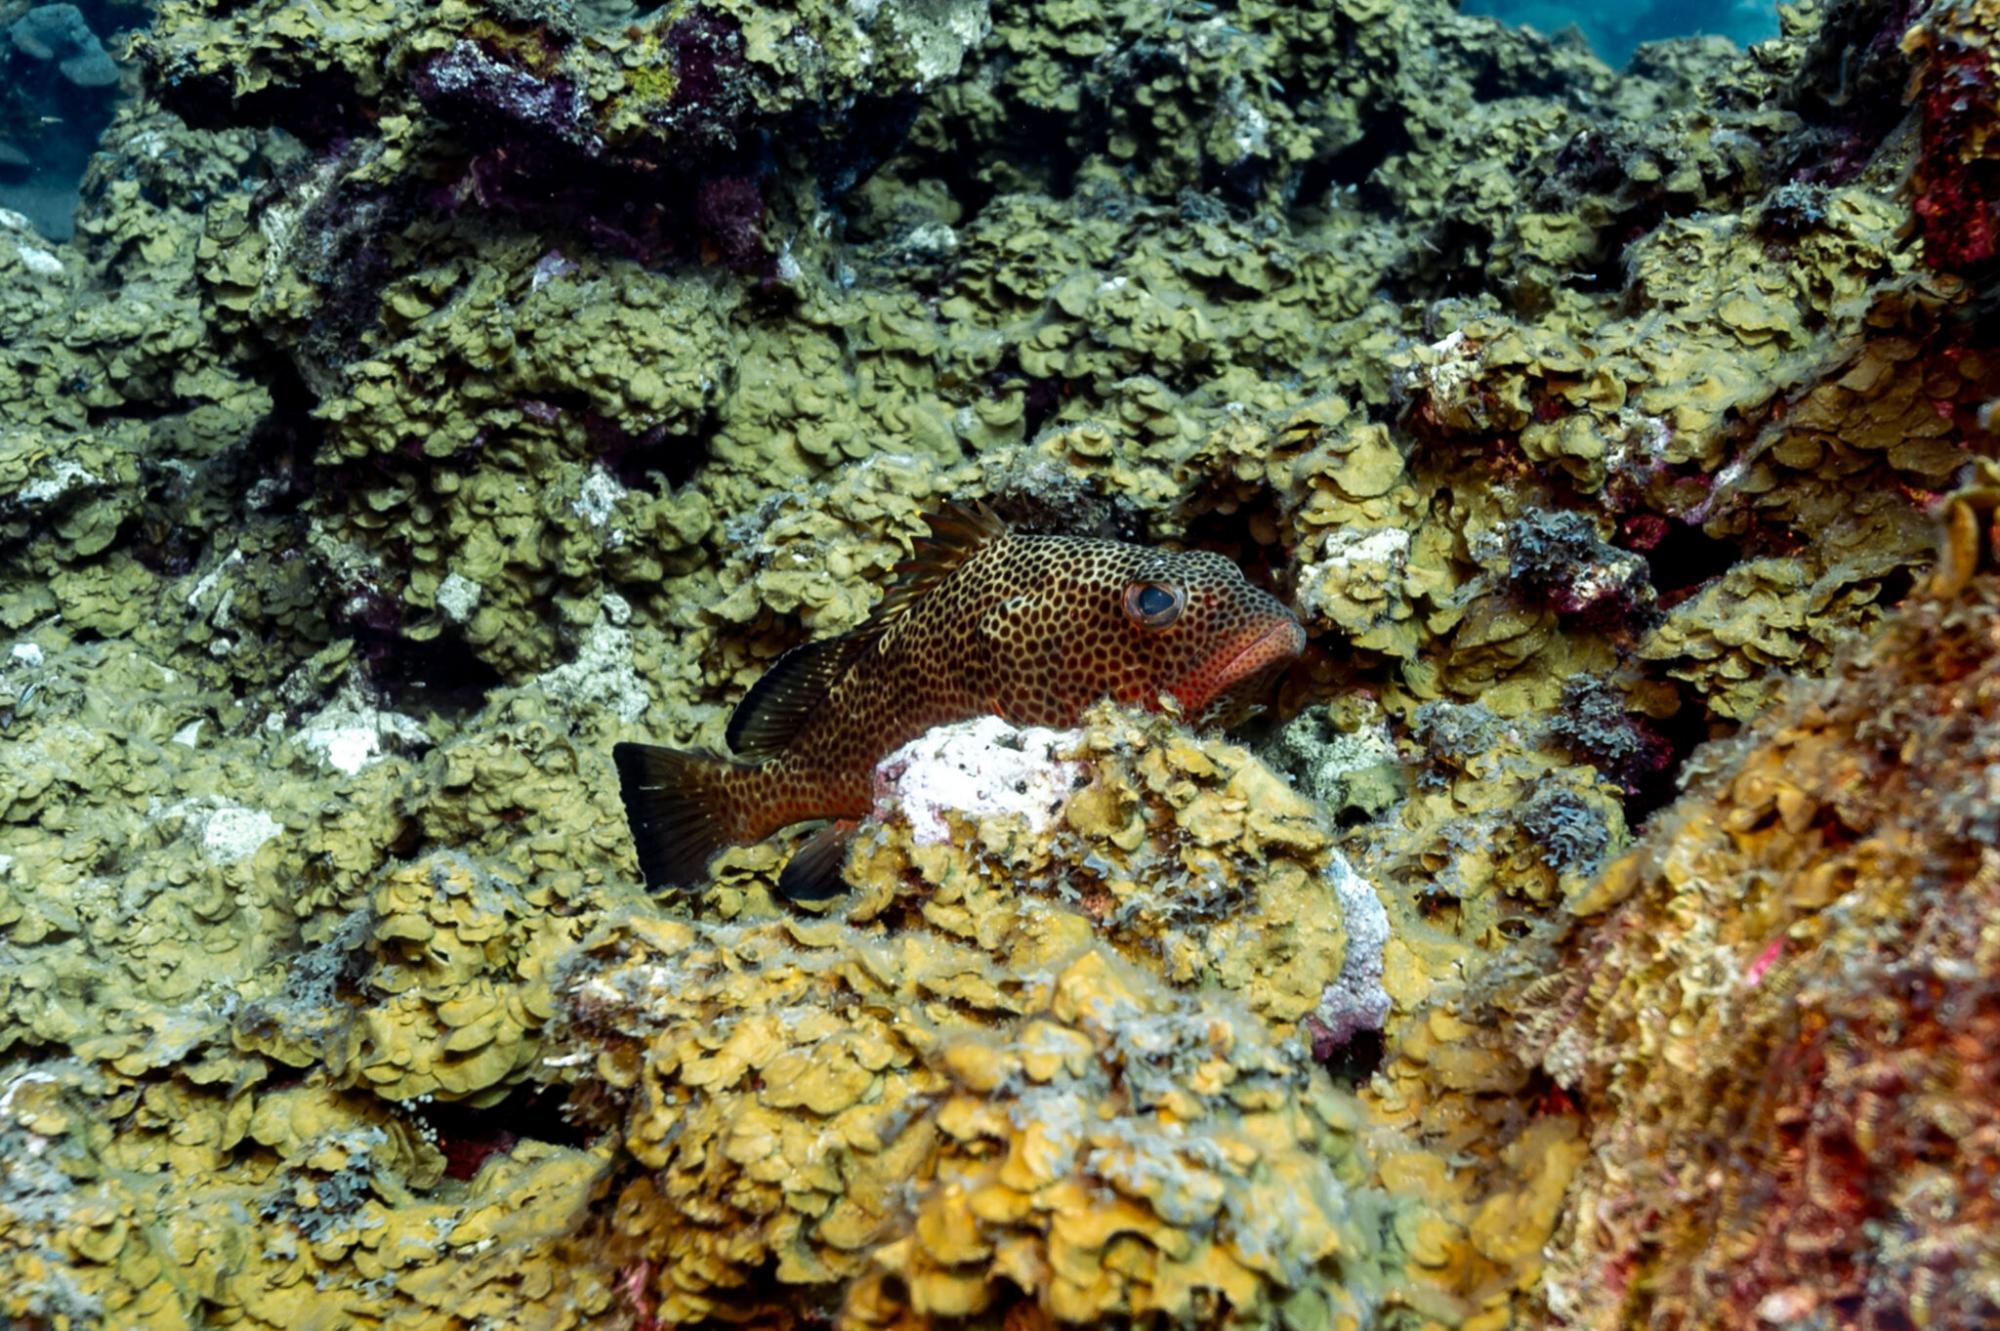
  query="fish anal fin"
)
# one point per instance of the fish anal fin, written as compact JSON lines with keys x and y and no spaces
{"x":777,"y":707}
{"x":815,"y":870}
{"x":957,"y":533}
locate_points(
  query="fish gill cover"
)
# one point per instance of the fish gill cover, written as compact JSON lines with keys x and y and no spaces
{"x":431,"y":397}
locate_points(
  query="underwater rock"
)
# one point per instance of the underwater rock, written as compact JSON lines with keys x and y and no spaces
{"x":60,"y":34}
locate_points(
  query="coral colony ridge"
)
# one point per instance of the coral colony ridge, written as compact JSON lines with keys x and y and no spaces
{"x":404,"y":405}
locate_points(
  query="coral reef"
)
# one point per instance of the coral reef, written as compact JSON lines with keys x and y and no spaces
{"x":1051,"y":1065}
{"x":299,"y":1193}
{"x":1033,"y":1064}
{"x":431,"y":396}
{"x":1777,"y":1011}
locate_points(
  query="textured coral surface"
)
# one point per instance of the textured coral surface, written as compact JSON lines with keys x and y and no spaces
{"x":1077,"y":1040}
{"x":1781,"y":1013}
{"x":430,"y":396}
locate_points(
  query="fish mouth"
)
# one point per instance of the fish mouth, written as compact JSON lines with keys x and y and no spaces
{"x":1248,"y":669}
{"x":1280,"y":643}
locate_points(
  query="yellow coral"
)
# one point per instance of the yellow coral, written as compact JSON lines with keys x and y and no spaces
{"x":1049,"y":1070}
{"x":1794,"y":974}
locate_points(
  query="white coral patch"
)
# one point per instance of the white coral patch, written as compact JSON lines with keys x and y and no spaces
{"x":602,"y":676}
{"x":39,"y":261}
{"x":1364,"y":545}
{"x":348,"y":733}
{"x":1353,"y":562}
{"x":232,"y":834}
{"x":229,"y":833}
{"x":596,"y":503}
{"x":980,"y":769}
{"x":458,"y":596}
{"x":63,"y":477}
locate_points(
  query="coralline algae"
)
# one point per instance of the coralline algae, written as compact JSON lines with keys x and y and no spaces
{"x":429,"y":392}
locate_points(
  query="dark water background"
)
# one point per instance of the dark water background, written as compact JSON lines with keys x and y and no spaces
{"x":57,"y":93}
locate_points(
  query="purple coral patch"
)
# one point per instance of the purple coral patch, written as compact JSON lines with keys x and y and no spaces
{"x":1355,"y":1002}
{"x":707,"y":50}
{"x":467,"y":81}
{"x":730,"y":211}
{"x":1557,"y":557}
{"x":1957,"y":186}
{"x":536,"y":151}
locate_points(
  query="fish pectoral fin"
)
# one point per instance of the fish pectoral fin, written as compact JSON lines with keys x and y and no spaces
{"x":815,"y":871}
{"x":778,"y":705}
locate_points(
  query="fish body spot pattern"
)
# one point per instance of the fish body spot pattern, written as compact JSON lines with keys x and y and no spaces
{"x":981,"y":620}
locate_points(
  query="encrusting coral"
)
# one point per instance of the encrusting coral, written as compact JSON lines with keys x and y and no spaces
{"x":1039,"y":1059}
{"x":300,"y":1192}
{"x":1778,"y":1012}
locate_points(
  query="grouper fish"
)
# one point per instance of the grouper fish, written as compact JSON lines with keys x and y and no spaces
{"x":980,"y":620}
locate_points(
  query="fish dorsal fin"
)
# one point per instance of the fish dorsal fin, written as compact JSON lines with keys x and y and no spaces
{"x":957,"y":532}
{"x":778,"y":706}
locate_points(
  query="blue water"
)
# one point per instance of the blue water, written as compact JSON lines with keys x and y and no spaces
{"x":59,"y":85}
{"x":1615,"y":31}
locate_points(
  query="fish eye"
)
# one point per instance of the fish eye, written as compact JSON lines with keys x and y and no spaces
{"x":1154,"y":605}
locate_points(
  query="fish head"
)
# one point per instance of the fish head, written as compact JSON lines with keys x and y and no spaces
{"x":1104,"y":618}
{"x":1215,"y":639}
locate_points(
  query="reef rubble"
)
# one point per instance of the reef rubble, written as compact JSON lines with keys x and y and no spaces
{"x":430,"y":397}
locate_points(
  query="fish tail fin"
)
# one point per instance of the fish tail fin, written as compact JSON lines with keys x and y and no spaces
{"x":682,"y":809}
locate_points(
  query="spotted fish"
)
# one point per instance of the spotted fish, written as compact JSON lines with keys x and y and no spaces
{"x":980,"y":621}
